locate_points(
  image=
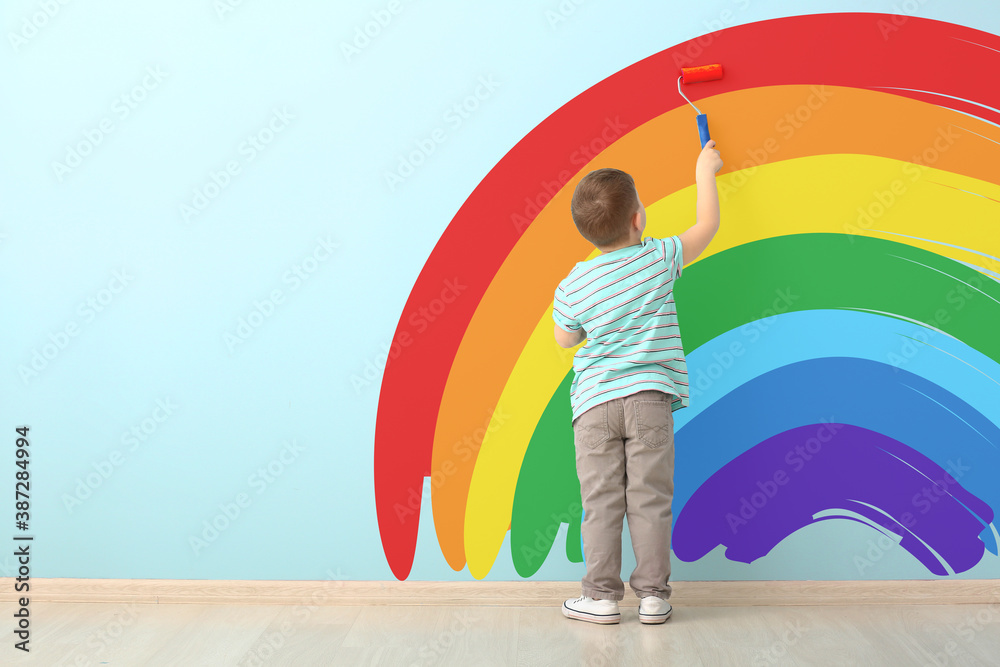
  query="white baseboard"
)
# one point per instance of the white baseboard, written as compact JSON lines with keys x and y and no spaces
{"x":504,"y":593}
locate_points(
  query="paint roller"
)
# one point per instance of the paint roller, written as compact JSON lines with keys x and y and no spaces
{"x":697,"y":75}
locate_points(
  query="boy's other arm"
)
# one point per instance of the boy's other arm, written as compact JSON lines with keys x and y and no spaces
{"x":697,"y":237}
{"x":569,"y":338}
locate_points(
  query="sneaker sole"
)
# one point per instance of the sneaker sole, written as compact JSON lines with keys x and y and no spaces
{"x":603,"y":619}
{"x":654,"y":619}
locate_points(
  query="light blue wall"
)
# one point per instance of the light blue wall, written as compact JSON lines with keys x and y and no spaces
{"x":161,"y":335}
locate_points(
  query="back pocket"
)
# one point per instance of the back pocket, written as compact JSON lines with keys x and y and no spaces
{"x":654,"y":423}
{"x":591,"y":428}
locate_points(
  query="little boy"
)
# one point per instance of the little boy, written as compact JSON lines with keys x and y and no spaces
{"x":628,"y":379}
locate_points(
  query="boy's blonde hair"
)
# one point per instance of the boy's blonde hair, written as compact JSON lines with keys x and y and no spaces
{"x":603,"y":204}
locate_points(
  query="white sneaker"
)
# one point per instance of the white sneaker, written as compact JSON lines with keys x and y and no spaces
{"x":594,"y":611}
{"x":654,"y":610}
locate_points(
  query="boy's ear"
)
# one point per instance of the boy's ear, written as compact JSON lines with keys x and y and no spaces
{"x":635,"y":219}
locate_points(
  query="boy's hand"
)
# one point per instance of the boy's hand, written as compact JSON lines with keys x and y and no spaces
{"x":709,"y":161}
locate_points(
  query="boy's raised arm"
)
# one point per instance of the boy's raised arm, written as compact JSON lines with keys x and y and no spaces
{"x":697,"y":237}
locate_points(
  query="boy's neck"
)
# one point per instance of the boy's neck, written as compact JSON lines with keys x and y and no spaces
{"x":631,"y":241}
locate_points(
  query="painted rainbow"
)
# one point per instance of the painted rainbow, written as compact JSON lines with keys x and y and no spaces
{"x":855,"y":277}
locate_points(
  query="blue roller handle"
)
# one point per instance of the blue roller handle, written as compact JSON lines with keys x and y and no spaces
{"x":703,"y":129}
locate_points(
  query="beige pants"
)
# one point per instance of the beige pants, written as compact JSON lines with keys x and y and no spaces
{"x":625,"y":461}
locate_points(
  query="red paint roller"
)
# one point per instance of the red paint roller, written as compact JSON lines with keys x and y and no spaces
{"x":697,"y":75}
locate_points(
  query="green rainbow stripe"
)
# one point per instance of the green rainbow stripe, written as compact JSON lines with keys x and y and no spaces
{"x":833,"y":271}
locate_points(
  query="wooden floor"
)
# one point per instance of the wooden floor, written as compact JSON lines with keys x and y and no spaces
{"x":91,"y":634}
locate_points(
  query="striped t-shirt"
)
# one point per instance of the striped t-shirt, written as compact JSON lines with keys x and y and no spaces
{"x":624,"y":300}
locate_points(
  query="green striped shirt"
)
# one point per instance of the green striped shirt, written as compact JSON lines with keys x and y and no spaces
{"x":624,"y":301}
